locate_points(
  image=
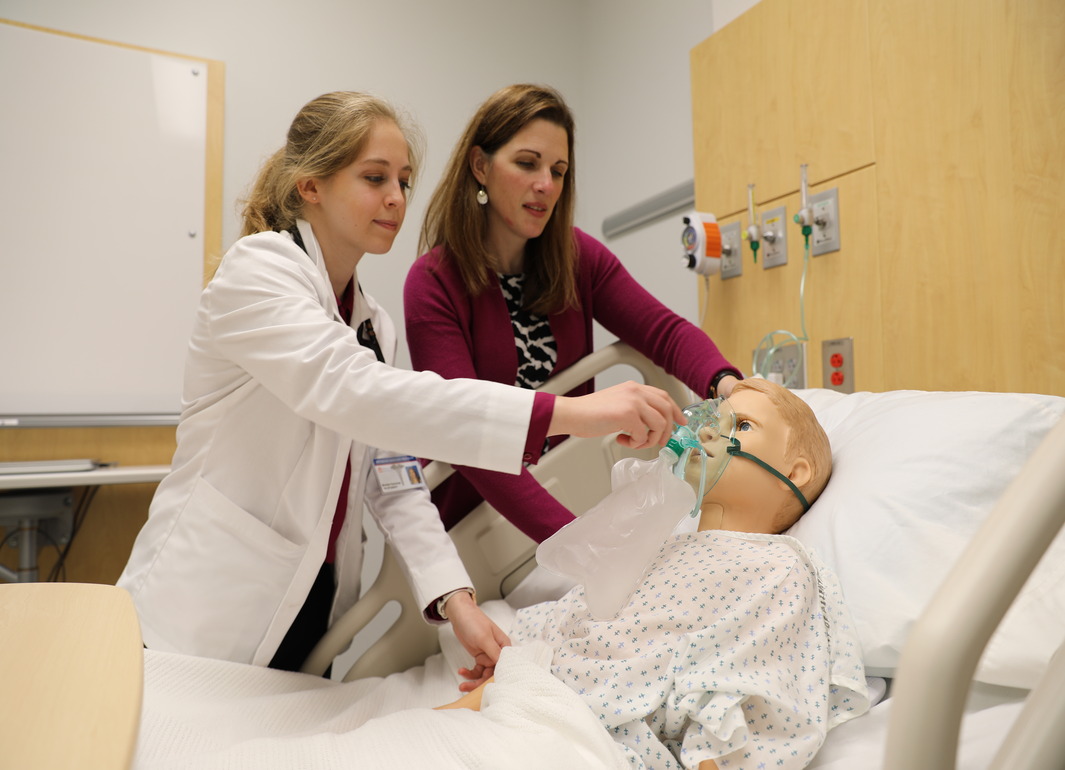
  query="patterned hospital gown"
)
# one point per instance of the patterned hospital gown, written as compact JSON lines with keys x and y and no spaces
{"x":735,"y":647}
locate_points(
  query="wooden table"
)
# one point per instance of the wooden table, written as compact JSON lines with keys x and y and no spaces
{"x":72,"y":670}
{"x":25,"y":498}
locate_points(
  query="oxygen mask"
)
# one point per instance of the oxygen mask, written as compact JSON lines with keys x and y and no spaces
{"x":702,"y":446}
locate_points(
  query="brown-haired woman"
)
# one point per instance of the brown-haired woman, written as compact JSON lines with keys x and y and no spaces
{"x":509,"y":289}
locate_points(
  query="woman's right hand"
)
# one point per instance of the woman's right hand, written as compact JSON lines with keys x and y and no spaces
{"x":645,"y":415}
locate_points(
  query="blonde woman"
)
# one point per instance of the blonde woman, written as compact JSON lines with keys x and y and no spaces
{"x":253,"y":542}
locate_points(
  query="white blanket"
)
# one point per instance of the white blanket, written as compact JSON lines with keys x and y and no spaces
{"x":208,"y":714}
{"x":201,"y":713}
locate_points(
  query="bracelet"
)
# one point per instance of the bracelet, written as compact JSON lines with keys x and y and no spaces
{"x":442,"y":601}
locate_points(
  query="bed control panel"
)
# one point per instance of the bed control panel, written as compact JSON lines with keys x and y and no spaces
{"x":837,"y":364}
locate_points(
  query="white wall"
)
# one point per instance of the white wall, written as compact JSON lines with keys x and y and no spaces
{"x":635,"y":133}
{"x":436,"y":60}
{"x":636,"y":130}
{"x":621,"y":64}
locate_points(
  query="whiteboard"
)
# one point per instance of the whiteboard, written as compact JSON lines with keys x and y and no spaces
{"x":102,"y":157}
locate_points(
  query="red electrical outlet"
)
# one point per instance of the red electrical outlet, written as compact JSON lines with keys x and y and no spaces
{"x":837,"y":358}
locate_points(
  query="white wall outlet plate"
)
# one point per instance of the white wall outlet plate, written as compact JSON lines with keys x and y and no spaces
{"x":731,"y":251}
{"x":824,"y":207}
{"x":787,"y":366}
{"x":774,"y":237}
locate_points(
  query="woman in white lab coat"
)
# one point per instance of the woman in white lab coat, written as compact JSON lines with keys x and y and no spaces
{"x":253,"y":542}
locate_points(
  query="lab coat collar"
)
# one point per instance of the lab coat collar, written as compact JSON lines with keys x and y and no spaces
{"x":314,"y":251}
{"x":386,"y":336}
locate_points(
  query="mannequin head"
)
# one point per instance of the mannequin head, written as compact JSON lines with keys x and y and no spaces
{"x":780,"y":429}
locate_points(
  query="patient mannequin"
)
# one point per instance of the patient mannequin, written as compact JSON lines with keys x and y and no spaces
{"x":735,"y":651}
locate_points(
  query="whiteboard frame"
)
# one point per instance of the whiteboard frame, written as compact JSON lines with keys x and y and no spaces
{"x":204,"y":230}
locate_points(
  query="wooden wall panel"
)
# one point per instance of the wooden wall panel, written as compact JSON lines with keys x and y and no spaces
{"x":786,"y":84}
{"x":971,"y":196}
{"x":966,"y":105}
{"x":742,"y":310}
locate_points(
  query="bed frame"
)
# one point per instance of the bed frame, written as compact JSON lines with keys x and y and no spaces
{"x":944,"y":646}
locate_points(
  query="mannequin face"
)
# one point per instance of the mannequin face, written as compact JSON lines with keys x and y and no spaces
{"x":747,"y":497}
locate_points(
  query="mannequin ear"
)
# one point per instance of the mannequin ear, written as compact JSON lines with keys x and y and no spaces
{"x":479,"y":162}
{"x":801,"y":472}
{"x":308,"y":189}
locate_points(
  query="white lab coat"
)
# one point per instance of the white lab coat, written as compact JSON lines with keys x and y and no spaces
{"x":277,"y":396}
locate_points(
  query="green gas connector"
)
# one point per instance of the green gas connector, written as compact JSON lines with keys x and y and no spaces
{"x":806,"y":229}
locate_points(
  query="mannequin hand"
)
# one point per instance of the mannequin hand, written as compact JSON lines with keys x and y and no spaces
{"x":645,"y":415}
{"x":482,"y":639}
{"x":471,"y":700}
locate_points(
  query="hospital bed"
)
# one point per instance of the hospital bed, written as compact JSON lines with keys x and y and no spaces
{"x":929,"y":562}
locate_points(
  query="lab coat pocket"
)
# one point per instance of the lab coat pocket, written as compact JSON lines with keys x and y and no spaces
{"x":223,"y":575}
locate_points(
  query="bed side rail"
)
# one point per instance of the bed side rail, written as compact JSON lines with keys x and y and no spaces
{"x":945,"y":645}
{"x":495,"y":553}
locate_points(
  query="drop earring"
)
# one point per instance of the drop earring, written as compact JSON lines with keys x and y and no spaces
{"x":482,"y":196}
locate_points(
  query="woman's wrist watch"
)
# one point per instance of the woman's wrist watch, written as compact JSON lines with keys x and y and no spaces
{"x":719,"y":377}
{"x":441,"y":603}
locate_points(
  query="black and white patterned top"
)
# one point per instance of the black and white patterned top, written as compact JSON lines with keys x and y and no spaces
{"x":537,"y":349}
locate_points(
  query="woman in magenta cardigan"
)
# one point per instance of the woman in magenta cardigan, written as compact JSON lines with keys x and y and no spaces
{"x":509,"y":287}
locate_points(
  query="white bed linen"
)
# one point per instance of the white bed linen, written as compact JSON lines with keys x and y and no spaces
{"x":859,"y":744}
{"x":915,"y":475}
{"x":208,"y":715}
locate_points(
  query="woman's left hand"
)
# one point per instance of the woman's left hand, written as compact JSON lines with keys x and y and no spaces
{"x":482,"y":638}
{"x":725,"y":385}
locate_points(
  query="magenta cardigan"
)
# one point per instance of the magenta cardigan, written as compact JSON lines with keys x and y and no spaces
{"x":456,"y":335}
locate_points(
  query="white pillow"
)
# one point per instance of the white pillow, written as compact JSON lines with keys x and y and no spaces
{"x":915,"y":474}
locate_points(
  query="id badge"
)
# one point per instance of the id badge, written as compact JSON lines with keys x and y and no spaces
{"x":397,"y":474}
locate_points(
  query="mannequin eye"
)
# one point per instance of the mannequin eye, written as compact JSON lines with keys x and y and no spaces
{"x":742,"y":425}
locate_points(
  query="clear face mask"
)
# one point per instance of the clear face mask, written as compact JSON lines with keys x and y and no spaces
{"x":711,"y":431}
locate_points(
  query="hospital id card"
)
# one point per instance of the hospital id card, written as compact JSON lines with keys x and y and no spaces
{"x":396,"y":474}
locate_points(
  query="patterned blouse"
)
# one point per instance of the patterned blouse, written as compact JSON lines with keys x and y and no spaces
{"x":537,"y":350}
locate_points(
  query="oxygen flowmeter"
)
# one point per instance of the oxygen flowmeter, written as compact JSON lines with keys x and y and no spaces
{"x":701,"y":239}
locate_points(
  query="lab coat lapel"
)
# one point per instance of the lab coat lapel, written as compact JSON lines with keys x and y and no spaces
{"x":314,"y":251}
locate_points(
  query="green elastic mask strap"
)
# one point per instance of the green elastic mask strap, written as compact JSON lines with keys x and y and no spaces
{"x":735,"y":450}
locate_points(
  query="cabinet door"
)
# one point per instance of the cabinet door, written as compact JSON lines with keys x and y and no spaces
{"x":786,"y":83}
